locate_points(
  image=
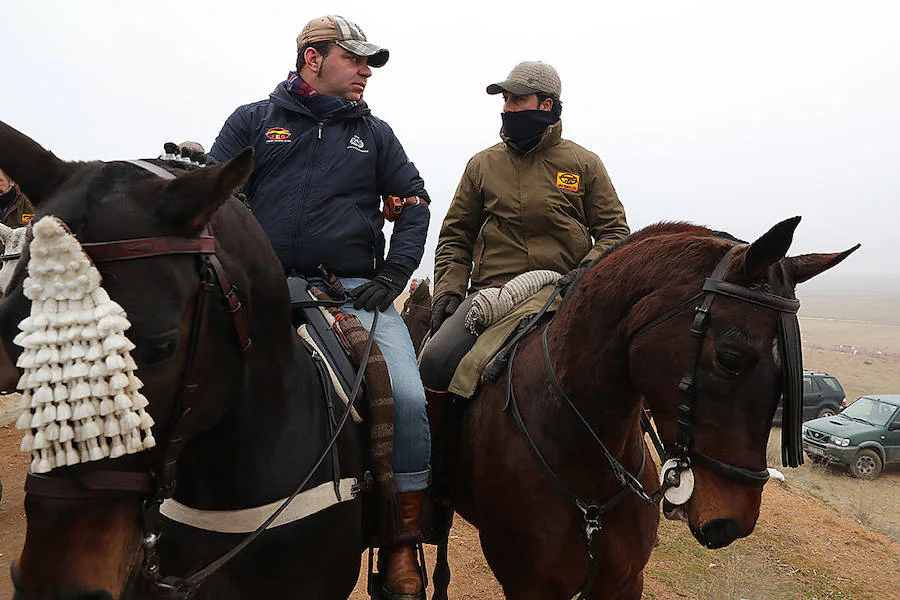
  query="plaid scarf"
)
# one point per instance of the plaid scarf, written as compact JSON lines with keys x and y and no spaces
{"x":321,"y":106}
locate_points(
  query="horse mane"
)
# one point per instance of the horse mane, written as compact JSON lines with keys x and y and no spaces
{"x":657,"y":229}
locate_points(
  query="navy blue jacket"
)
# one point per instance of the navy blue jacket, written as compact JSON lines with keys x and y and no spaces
{"x":316,"y":187}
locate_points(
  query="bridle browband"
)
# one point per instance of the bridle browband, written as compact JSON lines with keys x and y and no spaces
{"x":159,"y":485}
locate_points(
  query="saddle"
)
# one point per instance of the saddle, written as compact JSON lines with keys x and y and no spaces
{"x":315,"y":325}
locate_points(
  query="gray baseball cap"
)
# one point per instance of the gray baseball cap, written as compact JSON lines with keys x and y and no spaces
{"x":529,"y":77}
{"x":344,"y":33}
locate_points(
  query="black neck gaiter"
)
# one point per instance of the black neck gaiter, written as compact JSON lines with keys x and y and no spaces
{"x":525,"y":128}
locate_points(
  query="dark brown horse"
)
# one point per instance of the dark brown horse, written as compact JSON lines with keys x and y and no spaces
{"x":242,"y":428}
{"x":623,"y":334}
{"x":416,"y":313}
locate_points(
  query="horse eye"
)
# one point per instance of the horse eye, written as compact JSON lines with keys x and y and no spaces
{"x":154,"y":352}
{"x":730,"y":362}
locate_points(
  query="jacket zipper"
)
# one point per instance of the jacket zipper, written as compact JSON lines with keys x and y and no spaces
{"x":480,"y":262}
{"x":295,"y":246}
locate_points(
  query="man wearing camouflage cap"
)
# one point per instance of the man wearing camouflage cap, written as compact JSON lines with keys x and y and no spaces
{"x":533,"y":201}
{"x":323,"y":166}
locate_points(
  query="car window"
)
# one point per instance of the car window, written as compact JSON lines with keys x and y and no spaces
{"x":807,"y":385}
{"x":833,"y":384}
{"x":871,"y":411}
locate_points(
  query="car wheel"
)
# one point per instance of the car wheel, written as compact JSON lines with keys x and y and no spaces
{"x":826,"y":411}
{"x":866,"y":465}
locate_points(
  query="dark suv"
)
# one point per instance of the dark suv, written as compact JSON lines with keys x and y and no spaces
{"x":823,"y":396}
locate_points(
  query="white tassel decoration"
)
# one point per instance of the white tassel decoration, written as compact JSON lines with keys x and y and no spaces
{"x":60,"y":393}
{"x":24,"y":420}
{"x":81,"y":399}
{"x":66,"y":433}
{"x":117,"y":448}
{"x":71,"y":454}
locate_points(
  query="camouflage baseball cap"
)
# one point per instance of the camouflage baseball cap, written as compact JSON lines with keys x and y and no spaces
{"x":529,"y":77}
{"x":344,"y":33}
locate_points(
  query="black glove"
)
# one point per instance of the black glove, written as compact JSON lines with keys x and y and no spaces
{"x":442,"y":307}
{"x":565,"y":282}
{"x":379,"y":293}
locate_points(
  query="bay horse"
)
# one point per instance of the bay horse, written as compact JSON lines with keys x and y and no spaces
{"x":556,"y":515}
{"x":242,"y":423}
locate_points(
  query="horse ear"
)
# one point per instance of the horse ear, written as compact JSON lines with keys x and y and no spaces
{"x":190,"y":201}
{"x":804,"y":267}
{"x":37,"y":171}
{"x":769,"y":248}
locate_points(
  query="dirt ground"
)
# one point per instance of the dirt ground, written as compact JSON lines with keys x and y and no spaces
{"x":821,"y":535}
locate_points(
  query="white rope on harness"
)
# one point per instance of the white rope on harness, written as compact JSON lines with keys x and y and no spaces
{"x":338,"y":388}
{"x":492,"y":304}
{"x":80,"y":396}
{"x":248,"y":520}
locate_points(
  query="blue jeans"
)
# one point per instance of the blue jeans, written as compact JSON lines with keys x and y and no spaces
{"x":412,"y":436}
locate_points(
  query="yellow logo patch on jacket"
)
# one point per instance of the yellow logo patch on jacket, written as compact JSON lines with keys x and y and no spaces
{"x":568,"y":181}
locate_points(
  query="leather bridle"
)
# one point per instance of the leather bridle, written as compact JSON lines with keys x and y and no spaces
{"x":790,"y":353}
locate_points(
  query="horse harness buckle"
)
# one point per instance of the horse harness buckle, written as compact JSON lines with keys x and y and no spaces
{"x":593,"y":520}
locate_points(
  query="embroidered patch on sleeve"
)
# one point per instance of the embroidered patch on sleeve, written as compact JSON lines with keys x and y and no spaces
{"x":26,"y":218}
{"x":568,"y":181}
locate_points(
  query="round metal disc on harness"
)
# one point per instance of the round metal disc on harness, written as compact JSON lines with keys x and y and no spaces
{"x":680,"y":493}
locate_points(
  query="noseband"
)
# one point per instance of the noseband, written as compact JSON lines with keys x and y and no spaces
{"x":789,"y":349}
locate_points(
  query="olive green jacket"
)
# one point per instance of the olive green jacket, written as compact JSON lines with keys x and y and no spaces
{"x":516,"y":212}
{"x":20,"y":211}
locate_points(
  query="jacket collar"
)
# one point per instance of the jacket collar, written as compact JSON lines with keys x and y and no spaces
{"x":551,"y":137}
{"x":286,"y":100}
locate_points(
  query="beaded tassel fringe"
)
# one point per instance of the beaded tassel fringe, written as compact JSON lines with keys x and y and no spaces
{"x":80,"y":396}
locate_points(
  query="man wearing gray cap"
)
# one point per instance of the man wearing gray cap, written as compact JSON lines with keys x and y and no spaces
{"x":323,"y":166}
{"x":533,"y":201}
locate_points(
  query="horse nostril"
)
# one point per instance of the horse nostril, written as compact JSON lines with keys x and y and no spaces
{"x":718,"y":533}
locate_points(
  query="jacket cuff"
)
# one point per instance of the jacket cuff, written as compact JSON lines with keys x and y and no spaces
{"x":396,"y":273}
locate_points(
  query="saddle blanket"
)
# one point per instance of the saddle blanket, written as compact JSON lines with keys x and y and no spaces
{"x":469,"y":373}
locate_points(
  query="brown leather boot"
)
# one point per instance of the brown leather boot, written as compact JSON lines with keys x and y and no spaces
{"x":402,"y":577}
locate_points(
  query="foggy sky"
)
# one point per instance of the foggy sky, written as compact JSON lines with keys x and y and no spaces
{"x":732,"y":116}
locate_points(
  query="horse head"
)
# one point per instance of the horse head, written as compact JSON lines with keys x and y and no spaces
{"x":88,"y":543}
{"x":713,"y":365}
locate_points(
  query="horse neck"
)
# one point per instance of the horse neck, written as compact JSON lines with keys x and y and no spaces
{"x":275,"y":421}
{"x":588,"y":347}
